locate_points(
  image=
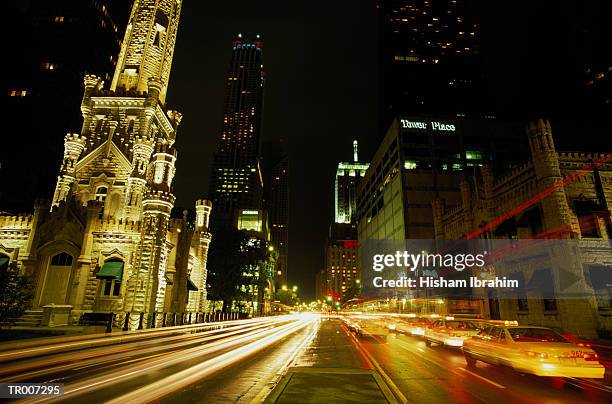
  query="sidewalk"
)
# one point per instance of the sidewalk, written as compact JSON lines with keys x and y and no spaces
{"x":331,"y":371}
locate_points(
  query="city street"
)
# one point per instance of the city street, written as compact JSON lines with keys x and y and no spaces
{"x":303,"y":358}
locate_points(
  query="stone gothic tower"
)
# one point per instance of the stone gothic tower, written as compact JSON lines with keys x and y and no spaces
{"x":148,"y":46}
{"x":557,"y":213}
{"x":124,"y":158}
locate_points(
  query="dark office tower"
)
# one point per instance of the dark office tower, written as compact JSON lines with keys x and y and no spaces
{"x":276,"y":186}
{"x":278,"y":208}
{"x":51,"y":46}
{"x":429,"y":59}
{"x":236,"y":177}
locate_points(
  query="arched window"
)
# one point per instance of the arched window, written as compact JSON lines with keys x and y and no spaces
{"x":111,"y":275}
{"x":101,"y":193}
{"x":4,"y":262}
{"x":61,"y":259}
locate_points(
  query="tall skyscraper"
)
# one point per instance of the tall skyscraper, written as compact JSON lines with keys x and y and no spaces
{"x":276,"y":184}
{"x":348,"y":176}
{"x":53,"y":45}
{"x":278,"y":206}
{"x":429,"y":59}
{"x":236,"y":178}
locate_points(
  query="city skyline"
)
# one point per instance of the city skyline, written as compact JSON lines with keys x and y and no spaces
{"x":298,"y":36}
{"x":403,"y":201}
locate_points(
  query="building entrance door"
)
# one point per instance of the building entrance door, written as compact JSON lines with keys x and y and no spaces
{"x":56,"y":280}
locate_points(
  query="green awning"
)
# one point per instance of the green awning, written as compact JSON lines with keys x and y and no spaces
{"x":111,"y":269}
{"x":191,"y":285}
{"x":4,"y":262}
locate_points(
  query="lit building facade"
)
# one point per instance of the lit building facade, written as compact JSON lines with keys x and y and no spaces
{"x":236,"y":177}
{"x":348,"y":176}
{"x":429,"y":58}
{"x":106,"y":242}
{"x":342,"y":277}
{"x":258,"y":287}
{"x":421,"y":158}
{"x":578,"y":211}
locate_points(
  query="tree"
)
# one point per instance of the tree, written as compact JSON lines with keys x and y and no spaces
{"x":16,"y":292}
{"x":225,"y":266}
{"x":236,"y":258}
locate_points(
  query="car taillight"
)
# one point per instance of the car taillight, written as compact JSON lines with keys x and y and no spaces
{"x":584,"y":344}
{"x":590,"y":356}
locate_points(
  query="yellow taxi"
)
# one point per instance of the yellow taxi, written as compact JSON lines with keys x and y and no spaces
{"x":534,"y":350}
{"x":449,"y":332}
{"x":410,"y":325}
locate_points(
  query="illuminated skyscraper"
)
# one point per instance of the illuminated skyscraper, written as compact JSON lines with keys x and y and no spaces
{"x":237,"y":181}
{"x":348,"y":176}
{"x":429,"y":59}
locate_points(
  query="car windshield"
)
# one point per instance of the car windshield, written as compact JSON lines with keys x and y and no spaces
{"x":535,"y":335}
{"x":460,"y":325}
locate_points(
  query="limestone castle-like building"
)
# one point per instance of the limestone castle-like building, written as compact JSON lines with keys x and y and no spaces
{"x":106,"y":242}
{"x":566,"y":196}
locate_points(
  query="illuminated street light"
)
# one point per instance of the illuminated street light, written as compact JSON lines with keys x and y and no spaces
{"x":271,"y":248}
{"x":284,"y":287}
{"x":295,"y":288}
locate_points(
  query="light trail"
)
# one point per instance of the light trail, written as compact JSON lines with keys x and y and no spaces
{"x":88,"y":342}
{"x":184,"y":378}
{"x":86,"y":360}
{"x":542,"y":195}
{"x":104,"y":380}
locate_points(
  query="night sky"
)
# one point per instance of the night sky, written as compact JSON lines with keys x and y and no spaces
{"x":321,"y":60}
{"x":321,"y":92}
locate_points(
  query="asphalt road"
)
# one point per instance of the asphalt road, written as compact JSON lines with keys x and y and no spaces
{"x":285,"y":359}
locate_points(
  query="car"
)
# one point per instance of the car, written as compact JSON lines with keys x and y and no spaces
{"x":351,"y":324}
{"x":534,"y":350}
{"x":371,"y":329}
{"x":410,"y":326}
{"x":449,"y":332}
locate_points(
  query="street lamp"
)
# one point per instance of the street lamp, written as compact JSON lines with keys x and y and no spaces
{"x":284,"y":287}
{"x":294,"y":288}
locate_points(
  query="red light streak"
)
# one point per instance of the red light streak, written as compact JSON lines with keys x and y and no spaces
{"x":540,"y":196}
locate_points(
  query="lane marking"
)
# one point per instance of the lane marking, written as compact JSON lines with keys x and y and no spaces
{"x":483,"y":378}
{"x":396,"y":391}
{"x":444,"y":366}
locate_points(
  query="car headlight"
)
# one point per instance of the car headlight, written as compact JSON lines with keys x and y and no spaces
{"x":536,"y":355}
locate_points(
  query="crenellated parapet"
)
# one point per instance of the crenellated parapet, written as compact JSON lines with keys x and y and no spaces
{"x":157,"y":201}
{"x":203,"y":210}
{"x":16,"y":221}
{"x":74,"y":144}
{"x":175,"y":117}
{"x":142,"y":150}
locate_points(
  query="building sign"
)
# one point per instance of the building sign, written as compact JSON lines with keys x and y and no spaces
{"x":433,"y":125}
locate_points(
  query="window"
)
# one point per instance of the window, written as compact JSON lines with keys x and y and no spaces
{"x":61,"y":259}
{"x":410,"y":165}
{"x":587,"y":212}
{"x":111,"y":275}
{"x":19,"y":93}
{"x":101,"y":193}
{"x":550,"y":304}
{"x":4,"y":262}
